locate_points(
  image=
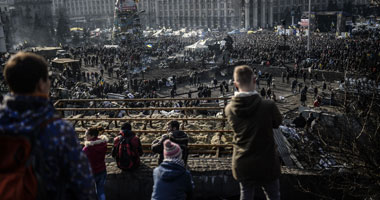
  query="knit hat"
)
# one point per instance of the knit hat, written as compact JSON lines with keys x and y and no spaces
{"x":171,"y":150}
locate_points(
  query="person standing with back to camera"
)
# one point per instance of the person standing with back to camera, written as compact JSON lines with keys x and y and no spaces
{"x":95,"y":147}
{"x":40,"y":154}
{"x":255,"y":162}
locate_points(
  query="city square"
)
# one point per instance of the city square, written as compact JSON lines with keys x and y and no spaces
{"x":162,"y":78}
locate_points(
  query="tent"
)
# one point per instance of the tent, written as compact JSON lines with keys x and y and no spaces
{"x":190,"y":34}
{"x":111,"y":46}
{"x":200,"y":45}
{"x":234,"y":32}
{"x":158,"y":33}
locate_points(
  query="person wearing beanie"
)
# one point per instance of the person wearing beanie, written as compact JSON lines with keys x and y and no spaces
{"x":172,"y":181}
{"x":174,"y":135}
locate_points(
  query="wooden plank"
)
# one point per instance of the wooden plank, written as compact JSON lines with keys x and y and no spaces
{"x":292,"y":156}
{"x":282,"y":147}
{"x":140,"y":109}
{"x":145,"y":99}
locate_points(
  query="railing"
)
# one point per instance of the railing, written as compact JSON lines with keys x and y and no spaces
{"x":216,"y":149}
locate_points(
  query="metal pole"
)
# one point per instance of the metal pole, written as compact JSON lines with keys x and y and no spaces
{"x":292,"y":20}
{"x":309,"y":32}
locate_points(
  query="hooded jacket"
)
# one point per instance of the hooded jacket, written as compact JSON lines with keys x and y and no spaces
{"x":179,"y":137}
{"x":172,"y":182}
{"x":65,"y":162}
{"x":135,"y":141}
{"x":255,"y":154}
{"x":95,"y":150}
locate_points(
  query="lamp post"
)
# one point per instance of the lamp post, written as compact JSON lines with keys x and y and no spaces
{"x":309,"y":32}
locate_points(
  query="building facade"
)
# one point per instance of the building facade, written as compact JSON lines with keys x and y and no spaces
{"x":32,"y":21}
{"x":4,"y":6}
{"x":4,"y":25}
{"x":268,"y":13}
{"x":230,"y":14}
{"x":94,"y":12}
{"x":213,"y":14}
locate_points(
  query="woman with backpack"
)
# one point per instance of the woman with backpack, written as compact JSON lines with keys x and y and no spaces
{"x":95,"y":148}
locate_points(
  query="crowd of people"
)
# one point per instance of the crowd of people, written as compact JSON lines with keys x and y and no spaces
{"x":359,"y":53}
{"x":69,"y":171}
{"x":64,"y":170}
{"x":105,"y":69}
{"x":42,"y":156}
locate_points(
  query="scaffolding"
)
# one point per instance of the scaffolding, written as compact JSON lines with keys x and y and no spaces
{"x":125,"y":18}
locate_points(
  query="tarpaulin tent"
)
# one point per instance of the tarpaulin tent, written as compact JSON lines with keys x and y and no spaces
{"x":234,"y":32}
{"x":200,"y":45}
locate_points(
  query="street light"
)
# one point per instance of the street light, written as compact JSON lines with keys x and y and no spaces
{"x":309,"y":32}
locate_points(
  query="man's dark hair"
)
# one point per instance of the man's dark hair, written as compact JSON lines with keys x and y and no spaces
{"x":174,"y":124}
{"x":23,"y":71}
{"x":126,"y":126}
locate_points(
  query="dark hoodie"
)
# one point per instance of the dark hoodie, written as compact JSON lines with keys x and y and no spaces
{"x":172,"y":182}
{"x":252,"y":120}
{"x":178,"y":137}
{"x":66,"y":164}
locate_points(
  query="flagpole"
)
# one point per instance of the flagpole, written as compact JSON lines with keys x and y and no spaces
{"x":309,"y":31}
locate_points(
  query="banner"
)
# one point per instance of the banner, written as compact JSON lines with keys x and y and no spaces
{"x":304,"y":22}
{"x":127,"y":5}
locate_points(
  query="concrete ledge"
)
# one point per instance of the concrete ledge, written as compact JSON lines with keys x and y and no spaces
{"x":212,"y":177}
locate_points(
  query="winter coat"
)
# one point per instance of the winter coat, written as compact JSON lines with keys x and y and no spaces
{"x":95,"y":150}
{"x":300,"y":122}
{"x":255,"y":153}
{"x":178,"y":137}
{"x":66,"y":164}
{"x":135,"y":141}
{"x":172,"y":182}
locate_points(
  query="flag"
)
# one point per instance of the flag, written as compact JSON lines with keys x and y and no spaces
{"x":101,"y":82}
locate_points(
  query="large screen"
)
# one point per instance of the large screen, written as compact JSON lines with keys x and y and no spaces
{"x":127,"y":5}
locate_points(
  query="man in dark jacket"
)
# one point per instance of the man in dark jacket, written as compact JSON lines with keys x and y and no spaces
{"x":64,"y":169}
{"x":263,"y":92}
{"x":255,"y":161}
{"x":304,"y":96}
{"x":300,"y":121}
{"x":174,"y":135}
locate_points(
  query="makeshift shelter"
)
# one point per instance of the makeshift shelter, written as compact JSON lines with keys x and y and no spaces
{"x":198,"y":46}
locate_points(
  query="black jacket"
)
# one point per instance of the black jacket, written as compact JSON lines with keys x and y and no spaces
{"x":178,"y":137}
{"x":300,"y":122}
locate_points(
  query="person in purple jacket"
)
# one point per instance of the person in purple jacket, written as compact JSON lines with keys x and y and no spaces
{"x":95,"y":148}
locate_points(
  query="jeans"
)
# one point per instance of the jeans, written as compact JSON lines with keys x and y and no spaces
{"x":100,"y":180}
{"x":271,"y":190}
